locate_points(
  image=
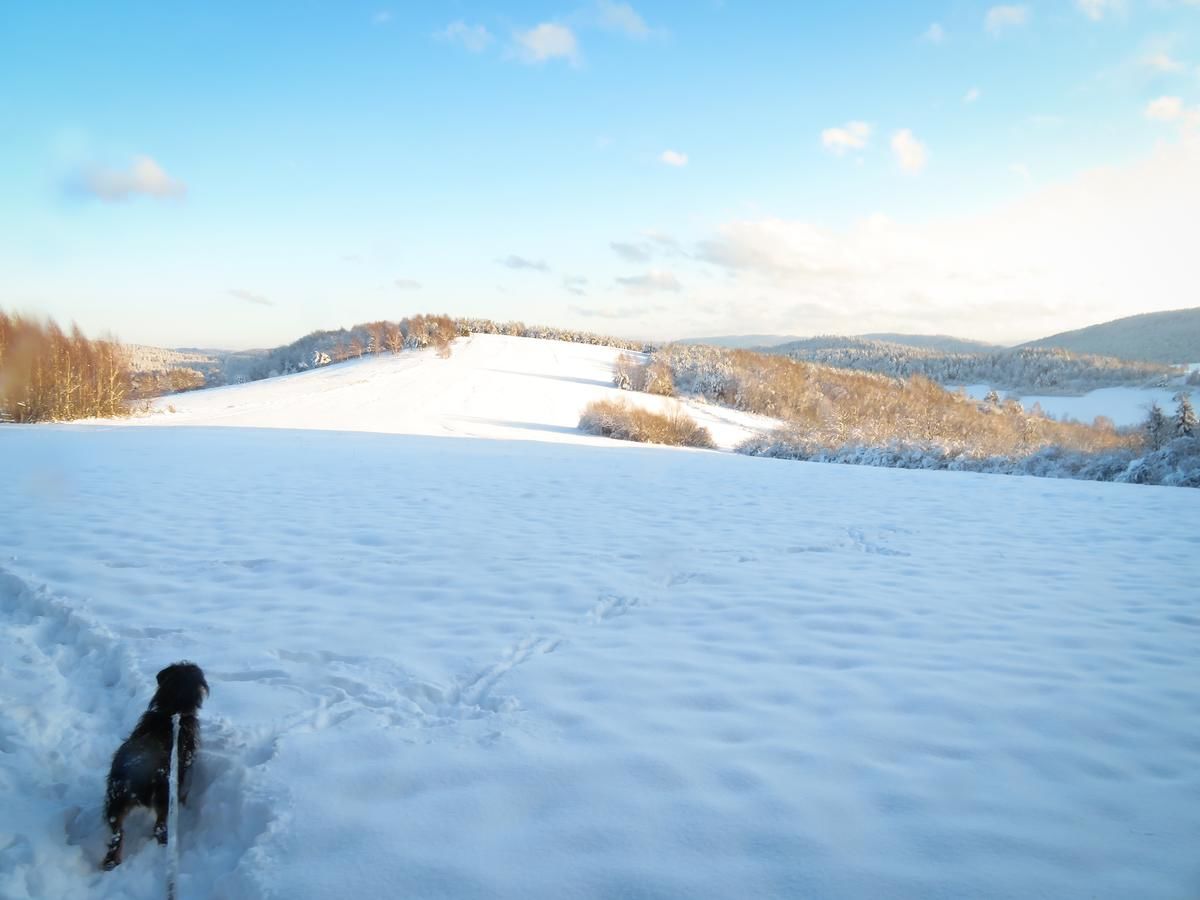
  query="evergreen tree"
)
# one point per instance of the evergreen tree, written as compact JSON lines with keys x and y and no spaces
{"x":1185,"y":416}
{"x":1157,"y":427}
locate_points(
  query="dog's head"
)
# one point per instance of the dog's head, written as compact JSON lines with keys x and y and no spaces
{"x":181,"y":689}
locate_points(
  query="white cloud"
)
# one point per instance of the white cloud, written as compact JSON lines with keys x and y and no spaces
{"x":1110,"y":242}
{"x":545,"y":42}
{"x":145,"y":178}
{"x":1164,"y":109}
{"x":999,"y":18}
{"x":408,"y":284}
{"x":1021,"y":170}
{"x":935,"y":33}
{"x":654,"y":280}
{"x":250,"y":297}
{"x":972,"y":95}
{"x":1097,"y":9}
{"x":622,"y":17}
{"x":474,"y":38}
{"x":852,"y":136}
{"x":382,"y":17}
{"x":1162,"y":61}
{"x":910,"y":153}
{"x":673,"y":158}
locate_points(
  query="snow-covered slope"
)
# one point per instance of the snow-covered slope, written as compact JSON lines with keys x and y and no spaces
{"x":491,"y":386}
{"x":448,"y":668}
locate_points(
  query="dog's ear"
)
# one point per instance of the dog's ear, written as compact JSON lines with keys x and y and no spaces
{"x":162,"y":675}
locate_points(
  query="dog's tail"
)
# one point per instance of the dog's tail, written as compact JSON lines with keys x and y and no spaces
{"x":173,"y":811}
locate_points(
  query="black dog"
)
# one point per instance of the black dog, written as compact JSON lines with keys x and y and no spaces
{"x":141,"y":766}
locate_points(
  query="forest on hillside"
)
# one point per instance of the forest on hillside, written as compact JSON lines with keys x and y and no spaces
{"x":1024,"y":369}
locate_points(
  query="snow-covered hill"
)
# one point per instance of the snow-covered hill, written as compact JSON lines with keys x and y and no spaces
{"x":491,"y":386}
{"x":465,"y":668}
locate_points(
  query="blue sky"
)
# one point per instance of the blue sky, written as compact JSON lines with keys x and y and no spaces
{"x":239,"y":174}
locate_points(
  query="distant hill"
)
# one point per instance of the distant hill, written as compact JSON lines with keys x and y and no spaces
{"x":1162,"y":337}
{"x":144,"y":358}
{"x":942,"y":342}
{"x":741,"y":341}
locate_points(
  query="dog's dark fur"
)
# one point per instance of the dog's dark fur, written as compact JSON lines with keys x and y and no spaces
{"x":141,"y":766}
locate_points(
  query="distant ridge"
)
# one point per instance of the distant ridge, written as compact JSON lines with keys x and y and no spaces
{"x":741,"y":341}
{"x":941,"y":342}
{"x":1164,"y":337}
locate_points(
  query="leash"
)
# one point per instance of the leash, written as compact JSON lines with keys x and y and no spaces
{"x":173,"y":812}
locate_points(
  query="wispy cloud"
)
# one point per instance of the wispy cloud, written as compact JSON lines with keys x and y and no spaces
{"x":652,"y":281}
{"x":250,"y":297}
{"x":575,"y":284}
{"x":1161,"y":61}
{"x":1001,"y":18}
{"x":623,"y":18}
{"x":382,"y":17}
{"x":972,"y":95}
{"x":631,"y":252}
{"x":545,"y":42}
{"x":673,"y":158}
{"x":910,"y":153}
{"x":851,"y":136}
{"x":1164,"y":109}
{"x":1020,"y":170}
{"x":934,"y":34}
{"x":145,"y":178}
{"x":614,"y":312}
{"x":663,"y":239}
{"x":520,"y":262}
{"x":1098,"y":9}
{"x":407,"y":284}
{"x":473,"y":38}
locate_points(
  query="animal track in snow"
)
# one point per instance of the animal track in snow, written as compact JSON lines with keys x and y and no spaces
{"x":856,"y":539}
{"x":611,"y":606}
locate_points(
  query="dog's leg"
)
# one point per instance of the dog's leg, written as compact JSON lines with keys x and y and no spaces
{"x":189,"y":740}
{"x":116,"y":821}
{"x":161,"y":804}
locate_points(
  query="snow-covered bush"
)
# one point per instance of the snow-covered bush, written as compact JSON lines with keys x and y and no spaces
{"x":1176,"y":464}
{"x":621,"y":420}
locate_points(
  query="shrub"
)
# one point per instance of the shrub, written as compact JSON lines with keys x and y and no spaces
{"x":623,"y":421}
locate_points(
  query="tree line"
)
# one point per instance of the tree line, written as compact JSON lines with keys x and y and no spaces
{"x":48,"y":374}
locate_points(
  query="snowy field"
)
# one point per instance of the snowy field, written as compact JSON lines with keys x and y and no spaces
{"x":1124,"y":405}
{"x":466,"y":668}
